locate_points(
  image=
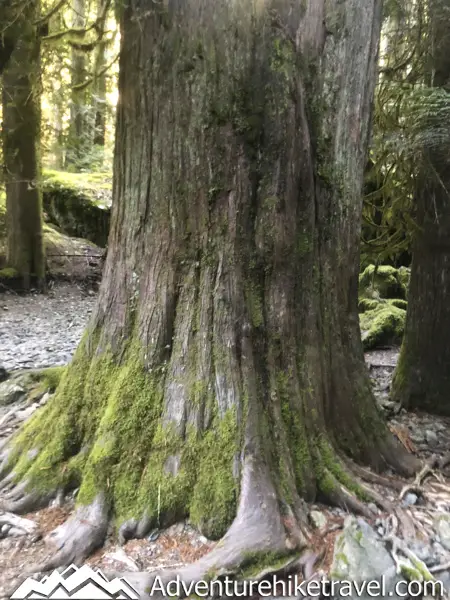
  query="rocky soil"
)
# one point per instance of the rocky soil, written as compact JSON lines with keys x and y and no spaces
{"x":40,"y":331}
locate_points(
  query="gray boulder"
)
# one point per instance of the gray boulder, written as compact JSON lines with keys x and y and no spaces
{"x":359,"y":557}
{"x":11,"y":392}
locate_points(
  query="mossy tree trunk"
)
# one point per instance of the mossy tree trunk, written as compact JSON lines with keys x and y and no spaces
{"x":422,"y":377}
{"x":21,"y":127}
{"x":222,"y":375}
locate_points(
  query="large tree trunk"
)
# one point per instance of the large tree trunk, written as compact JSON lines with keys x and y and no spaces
{"x":21,"y":127}
{"x":222,"y":375}
{"x":422,"y":377}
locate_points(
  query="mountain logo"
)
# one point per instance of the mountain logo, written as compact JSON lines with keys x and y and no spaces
{"x":81,"y":583}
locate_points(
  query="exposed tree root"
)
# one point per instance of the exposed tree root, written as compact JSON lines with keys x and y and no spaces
{"x":4,"y":459}
{"x":78,"y":537}
{"x":7,"y":482}
{"x":444,"y":461}
{"x":371,"y":477}
{"x":257,"y":528}
{"x":21,"y":504}
{"x":134,"y":529}
{"x":339,"y":495}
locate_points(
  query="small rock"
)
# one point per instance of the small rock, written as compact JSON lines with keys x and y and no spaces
{"x":374,"y":508}
{"x":431,"y":437}
{"x":442,"y":528}
{"x":154,"y":535}
{"x":410,"y":499}
{"x":45,"y":398}
{"x":423,"y":553}
{"x":318,"y":519}
{"x":10,"y":393}
{"x":417,"y":438}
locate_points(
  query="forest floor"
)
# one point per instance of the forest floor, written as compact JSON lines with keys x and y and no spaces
{"x":39,"y":331}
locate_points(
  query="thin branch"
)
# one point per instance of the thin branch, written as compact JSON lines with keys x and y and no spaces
{"x":82,"y":86}
{"x":57,"y":7}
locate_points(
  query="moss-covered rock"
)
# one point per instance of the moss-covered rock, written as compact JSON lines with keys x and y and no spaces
{"x":366,"y":304}
{"x":383,"y":281}
{"x":30,"y":385}
{"x":382,"y":326}
{"x":398,"y":303}
{"x":79,"y":204}
{"x":382,"y":305}
{"x":360,"y":556}
{"x":71,"y":258}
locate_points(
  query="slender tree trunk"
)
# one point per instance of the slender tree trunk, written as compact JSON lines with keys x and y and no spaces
{"x":222,"y":375}
{"x":58,"y":98}
{"x":99,"y":86}
{"x":21,"y":125}
{"x":99,"y":92}
{"x":422,"y":377}
{"x":79,"y":130}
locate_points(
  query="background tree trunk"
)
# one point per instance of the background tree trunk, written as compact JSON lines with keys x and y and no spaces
{"x":79,"y":139}
{"x":99,"y":85}
{"x":21,"y":125}
{"x":9,"y":33}
{"x":422,"y":377}
{"x":222,"y":375}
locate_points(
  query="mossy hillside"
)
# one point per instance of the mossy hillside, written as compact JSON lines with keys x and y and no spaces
{"x":79,"y":204}
{"x":383,"y":281}
{"x":98,"y":186}
{"x":382,"y":326}
{"x":102,"y":431}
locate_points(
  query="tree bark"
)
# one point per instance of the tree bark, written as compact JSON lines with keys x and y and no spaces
{"x":21,"y":133}
{"x":80,"y":138}
{"x":422,"y":378}
{"x":222,"y":375}
{"x":9,"y":34}
{"x":99,"y":85}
